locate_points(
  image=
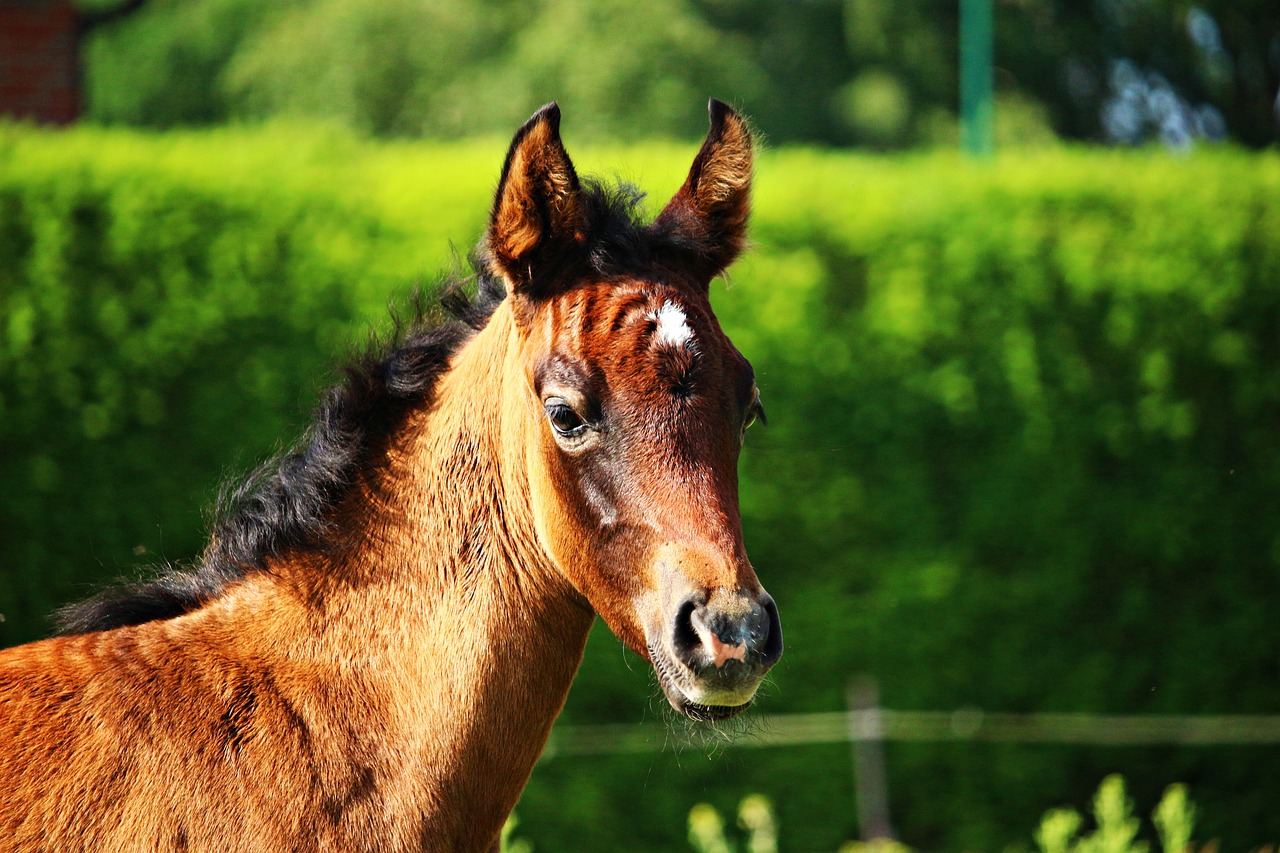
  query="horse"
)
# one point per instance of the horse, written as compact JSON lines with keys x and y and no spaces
{"x":371,"y":649}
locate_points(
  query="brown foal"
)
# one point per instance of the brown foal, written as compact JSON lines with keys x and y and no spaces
{"x":371,"y":651}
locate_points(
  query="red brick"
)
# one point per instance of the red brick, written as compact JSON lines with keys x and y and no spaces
{"x":39,"y":73}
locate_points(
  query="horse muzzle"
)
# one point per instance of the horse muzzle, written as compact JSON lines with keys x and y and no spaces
{"x":715,"y":652}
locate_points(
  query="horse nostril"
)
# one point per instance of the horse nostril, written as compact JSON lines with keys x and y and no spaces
{"x":685,"y":638}
{"x":771,"y":647}
{"x":747,"y":632}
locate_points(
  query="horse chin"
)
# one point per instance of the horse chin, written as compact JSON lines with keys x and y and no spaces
{"x":707,"y":713}
{"x":687,"y":707}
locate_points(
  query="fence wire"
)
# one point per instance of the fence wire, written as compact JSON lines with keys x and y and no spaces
{"x":965,"y":724}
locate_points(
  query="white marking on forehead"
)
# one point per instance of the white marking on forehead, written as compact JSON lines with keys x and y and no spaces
{"x":673,"y":325}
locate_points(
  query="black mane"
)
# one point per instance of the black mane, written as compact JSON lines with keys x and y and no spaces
{"x":288,"y":503}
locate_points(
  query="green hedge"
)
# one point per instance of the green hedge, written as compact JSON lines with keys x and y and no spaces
{"x":1027,"y":432}
{"x":168,"y":308}
{"x":1022,"y":451}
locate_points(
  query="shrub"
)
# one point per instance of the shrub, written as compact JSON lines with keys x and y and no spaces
{"x":169,"y":307}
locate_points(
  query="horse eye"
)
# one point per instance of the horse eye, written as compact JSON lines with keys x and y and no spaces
{"x":564,"y":420}
{"x":755,"y":414}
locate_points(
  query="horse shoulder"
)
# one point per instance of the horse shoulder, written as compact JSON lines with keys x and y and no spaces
{"x":157,"y":713}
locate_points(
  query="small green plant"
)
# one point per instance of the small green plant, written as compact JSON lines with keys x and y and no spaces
{"x":1057,"y":828}
{"x":706,"y":830}
{"x":755,"y":818}
{"x":875,"y":845}
{"x":1116,"y":828}
{"x":1174,"y":819}
{"x":514,"y":845}
{"x":755,"y":815}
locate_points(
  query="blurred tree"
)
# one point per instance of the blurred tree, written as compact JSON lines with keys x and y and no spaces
{"x":1128,"y":71}
{"x":390,"y":68}
{"x":913,"y":44}
{"x":800,"y":48}
{"x":162,"y":67}
{"x":441,"y":69}
{"x":633,"y":69}
{"x":863,"y":72}
{"x":97,"y":14}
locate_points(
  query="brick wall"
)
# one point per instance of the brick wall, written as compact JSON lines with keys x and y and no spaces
{"x":39,"y":72}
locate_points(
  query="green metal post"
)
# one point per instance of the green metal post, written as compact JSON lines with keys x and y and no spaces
{"x":977,"y":76}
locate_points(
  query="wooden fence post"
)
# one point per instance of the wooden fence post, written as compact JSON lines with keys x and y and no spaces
{"x":870,"y":781}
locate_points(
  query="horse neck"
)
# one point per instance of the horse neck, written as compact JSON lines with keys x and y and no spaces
{"x":450,"y":511}
{"x":464,"y":631}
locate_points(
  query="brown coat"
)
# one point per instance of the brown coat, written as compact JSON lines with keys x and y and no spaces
{"x":385,"y":678}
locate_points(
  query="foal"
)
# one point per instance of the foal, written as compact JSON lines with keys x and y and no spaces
{"x":371,"y":651}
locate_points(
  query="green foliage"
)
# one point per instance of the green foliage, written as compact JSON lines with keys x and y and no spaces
{"x":161,"y":67}
{"x":404,"y":67}
{"x":508,"y":843}
{"x":875,"y":845}
{"x":167,"y":315}
{"x":706,"y":830}
{"x":755,"y":819}
{"x":867,"y":72}
{"x":1057,"y":830}
{"x":1020,"y":451}
{"x":1175,"y":818}
{"x":1116,"y":829}
{"x":385,"y":68}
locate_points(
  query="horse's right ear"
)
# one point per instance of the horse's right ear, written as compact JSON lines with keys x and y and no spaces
{"x":537,"y":220}
{"x":712,"y":207}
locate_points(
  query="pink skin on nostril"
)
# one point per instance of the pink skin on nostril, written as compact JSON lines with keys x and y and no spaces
{"x":721,"y":652}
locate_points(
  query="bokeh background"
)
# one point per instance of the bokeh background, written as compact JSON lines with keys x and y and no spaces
{"x":1023,"y":451}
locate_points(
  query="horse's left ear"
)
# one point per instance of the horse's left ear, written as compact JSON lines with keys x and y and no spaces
{"x":712,"y":207}
{"x":537,"y":220}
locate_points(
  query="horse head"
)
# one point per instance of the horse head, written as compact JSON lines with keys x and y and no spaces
{"x":628,"y":406}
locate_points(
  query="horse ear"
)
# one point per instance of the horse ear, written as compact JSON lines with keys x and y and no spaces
{"x":712,"y":207}
{"x":537,"y":215}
